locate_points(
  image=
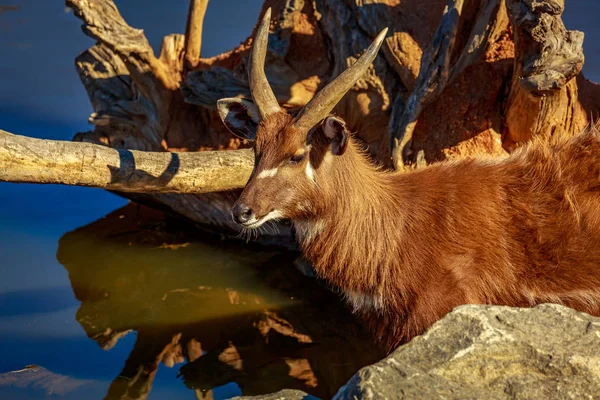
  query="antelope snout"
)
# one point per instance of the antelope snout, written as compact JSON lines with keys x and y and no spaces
{"x":241,"y":213}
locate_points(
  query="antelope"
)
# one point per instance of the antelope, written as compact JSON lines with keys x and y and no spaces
{"x":405,"y":248}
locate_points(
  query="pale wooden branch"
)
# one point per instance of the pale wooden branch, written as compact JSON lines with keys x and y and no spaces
{"x":543,"y":97}
{"x":103,"y":22}
{"x":437,"y":71}
{"x":30,"y":160}
{"x":193,"y":32}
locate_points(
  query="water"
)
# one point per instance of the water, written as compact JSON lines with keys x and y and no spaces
{"x":107,"y":307}
{"x":143,"y":292}
{"x":147,"y":297}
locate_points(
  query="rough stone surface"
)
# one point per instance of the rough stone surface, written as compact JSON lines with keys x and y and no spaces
{"x":286,"y":394}
{"x":491,"y":352}
{"x":36,"y":379}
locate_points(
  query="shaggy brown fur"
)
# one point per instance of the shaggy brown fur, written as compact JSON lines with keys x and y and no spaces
{"x":406,"y":249}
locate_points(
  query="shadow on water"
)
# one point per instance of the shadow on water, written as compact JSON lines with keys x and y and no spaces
{"x":220,"y":312}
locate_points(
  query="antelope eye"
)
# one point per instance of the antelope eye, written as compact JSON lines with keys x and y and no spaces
{"x":297,"y":158}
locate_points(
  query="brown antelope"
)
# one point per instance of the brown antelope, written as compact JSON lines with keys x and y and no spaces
{"x":406,"y":248}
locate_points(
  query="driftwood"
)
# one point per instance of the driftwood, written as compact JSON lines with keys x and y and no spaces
{"x":193,"y":32}
{"x":25,"y":159}
{"x":147,"y":177}
{"x":445,"y":84}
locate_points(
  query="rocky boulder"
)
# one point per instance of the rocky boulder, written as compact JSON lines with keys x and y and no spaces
{"x":285,"y":394}
{"x":486,"y":352}
{"x":491,"y":352}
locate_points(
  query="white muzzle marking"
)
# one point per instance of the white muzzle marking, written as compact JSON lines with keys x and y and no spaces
{"x":255,"y":223}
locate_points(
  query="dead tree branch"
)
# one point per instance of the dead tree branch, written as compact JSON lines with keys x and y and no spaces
{"x":193,"y":32}
{"x":103,"y":22}
{"x":30,"y":160}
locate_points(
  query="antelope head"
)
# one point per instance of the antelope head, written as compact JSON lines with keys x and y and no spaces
{"x":288,"y":149}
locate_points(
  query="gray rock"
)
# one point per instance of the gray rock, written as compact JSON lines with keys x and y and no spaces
{"x":286,"y":394}
{"x":40,"y":379}
{"x":491,"y":352}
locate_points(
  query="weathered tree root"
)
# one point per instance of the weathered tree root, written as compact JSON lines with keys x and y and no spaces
{"x":438,"y":69}
{"x":543,"y":97}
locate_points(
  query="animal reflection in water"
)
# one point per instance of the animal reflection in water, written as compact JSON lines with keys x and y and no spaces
{"x":228,"y":312}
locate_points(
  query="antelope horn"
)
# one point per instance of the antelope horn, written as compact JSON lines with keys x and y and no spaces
{"x":321,"y":105}
{"x":259,"y":86}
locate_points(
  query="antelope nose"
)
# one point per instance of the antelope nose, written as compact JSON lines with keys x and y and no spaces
{"x":241,"y":213}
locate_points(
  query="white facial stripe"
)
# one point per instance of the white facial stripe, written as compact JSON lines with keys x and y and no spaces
{"x":267,"y":173}
{"x":255,"y":223}
{"x":310,"y":172}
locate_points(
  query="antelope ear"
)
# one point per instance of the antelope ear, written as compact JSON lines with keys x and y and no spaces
{"x":239,"y":116}
{"x":335,"y":129}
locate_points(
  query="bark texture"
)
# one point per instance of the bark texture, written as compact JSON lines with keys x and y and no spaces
{"x":543,"y":97}
{"x":444,"y":59}
{"x":30,"y":160}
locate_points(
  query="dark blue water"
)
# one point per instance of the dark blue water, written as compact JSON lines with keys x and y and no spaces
{"x":46,"y":306}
